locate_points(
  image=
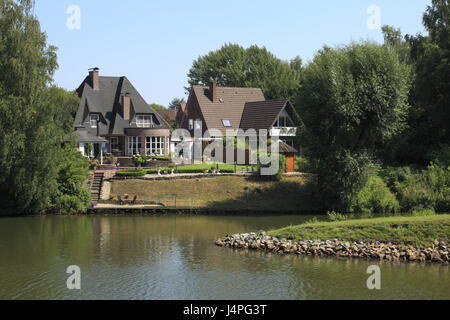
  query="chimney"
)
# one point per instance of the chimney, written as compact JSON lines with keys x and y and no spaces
{"x":126,"y":106}
{"x":94,"y":76}
{"x":213,"y":91}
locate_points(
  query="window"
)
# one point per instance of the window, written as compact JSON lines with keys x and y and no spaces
{"x":191,"y":124}
{"x":144,"y":121}
{"x":155,"y":145}
{"x":114,"y":142}
{"x":94,"y":119}
{"x":226,"y":123}
{"x":134,"y":145}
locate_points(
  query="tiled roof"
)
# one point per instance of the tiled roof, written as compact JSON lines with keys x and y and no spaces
{"x":262,"y":114}
{"x":107,"y":101}
{"x":229,"y":105}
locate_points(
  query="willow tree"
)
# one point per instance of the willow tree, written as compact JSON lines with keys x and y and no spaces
{"x":29,"y":137}
{"x":353,"y":99}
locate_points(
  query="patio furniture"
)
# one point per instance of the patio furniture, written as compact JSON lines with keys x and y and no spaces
{"x":134,"y":200}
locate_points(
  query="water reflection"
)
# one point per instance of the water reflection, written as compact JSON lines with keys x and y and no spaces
{"x":173,"y":257}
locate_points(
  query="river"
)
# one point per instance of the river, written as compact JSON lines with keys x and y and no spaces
{"x":174,"y":257}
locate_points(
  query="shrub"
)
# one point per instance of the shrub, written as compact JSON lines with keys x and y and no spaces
{"x":418,"y":190}
{"x":303,"y":165}
{"x":334,"y":216}
{"x":423,"y":213}
{"x":375,"y":197}
{"x":66,"y":204}
{"x":131,"y":173}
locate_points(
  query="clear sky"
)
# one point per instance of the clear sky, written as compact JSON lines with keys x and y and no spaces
{"x":154,"y":42}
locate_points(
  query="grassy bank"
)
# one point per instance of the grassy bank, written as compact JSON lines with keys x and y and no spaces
{"x":419,"y":231}
{"x":232,"y":193}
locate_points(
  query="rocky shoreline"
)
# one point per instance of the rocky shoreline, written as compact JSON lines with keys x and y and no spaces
{"x":439,"y":252}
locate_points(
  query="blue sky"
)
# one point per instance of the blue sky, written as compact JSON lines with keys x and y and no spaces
{"x":154,"y":42}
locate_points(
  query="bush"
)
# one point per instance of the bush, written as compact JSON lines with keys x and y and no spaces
{"x":66,"y":204}
{"x":423,"y":213}
{"x":303,"y":165}
{"x":419,"y":190}
{"x":131,"y":173}
{"x":375,"y":197}
{"x":334,"y":216}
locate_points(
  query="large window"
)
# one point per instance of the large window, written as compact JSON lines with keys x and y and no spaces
{"x":134,"y":145}
{"x":144,"y":121}
{"x":94,"y":119}
{"x":155,"y":145}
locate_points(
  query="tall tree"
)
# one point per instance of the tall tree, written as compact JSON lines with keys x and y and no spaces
{"x":235,"y":66}
{"x":29,"y":136}
{"x":429,"y":117}
{"x":353,"y":99}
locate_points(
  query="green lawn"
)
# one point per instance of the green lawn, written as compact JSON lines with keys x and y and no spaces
{"x":419,"y":231}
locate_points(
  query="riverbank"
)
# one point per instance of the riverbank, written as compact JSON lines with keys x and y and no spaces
{"x":392,"y":239}
{"x":223,"y":193}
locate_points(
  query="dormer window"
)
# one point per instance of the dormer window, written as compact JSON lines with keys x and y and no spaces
{"x":94,"y":119}
{"x":144,"y":121}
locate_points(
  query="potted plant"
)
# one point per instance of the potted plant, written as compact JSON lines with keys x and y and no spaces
{"x":93,"y":164}
{"x":172,"y":168}
{"x":159,"y":171}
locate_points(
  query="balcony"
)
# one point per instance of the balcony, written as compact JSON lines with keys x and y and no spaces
{"x":283,"y":132}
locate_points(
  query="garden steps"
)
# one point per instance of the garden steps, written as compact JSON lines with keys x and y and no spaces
{"x":96,"y":186}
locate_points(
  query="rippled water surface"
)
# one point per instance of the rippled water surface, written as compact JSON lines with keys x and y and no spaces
{"x":173,"y":257}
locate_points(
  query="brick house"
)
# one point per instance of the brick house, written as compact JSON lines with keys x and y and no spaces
{"x":115,"y":119}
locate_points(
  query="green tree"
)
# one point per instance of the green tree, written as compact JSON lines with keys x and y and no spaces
{"x":430,"y":97}
{"x":156,"y":106}
{"x":176,"y":103}
{"x":34,"y":117}
{"x":353,"y":99}
{"x":235,"y":66}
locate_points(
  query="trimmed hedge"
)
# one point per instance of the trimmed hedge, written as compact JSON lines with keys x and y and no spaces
{"x":131,"y":173}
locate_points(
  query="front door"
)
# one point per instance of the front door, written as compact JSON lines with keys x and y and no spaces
{"x":290,"y":164}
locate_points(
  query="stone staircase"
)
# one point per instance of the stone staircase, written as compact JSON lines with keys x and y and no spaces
{"x":96,"y":187}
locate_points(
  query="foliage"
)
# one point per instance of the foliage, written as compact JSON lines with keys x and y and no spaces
{"x":156,"y":106}
{"x":334,"y":216}
{"x":428,"y":118}
{"x":131,"y":173}
{"x":254,"y":67}
{"x":280,"y":172}
{"x":302,"y":164}
{"x":30,"y":138}
{"x":423,"y":213}
{"x":67,"y":204}
{"x":375,"y":197}
{"x":353,"y":99}
{"x":418,"y":190}
{"x":176,"y":103}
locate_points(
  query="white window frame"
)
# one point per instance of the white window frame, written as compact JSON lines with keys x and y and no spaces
{"x":144,"y":121}
{"x":94,"y":119}
{"x":155,"y":146}
{"x":133,"y":145}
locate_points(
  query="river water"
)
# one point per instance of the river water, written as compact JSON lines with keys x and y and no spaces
{"x":174,"y":257}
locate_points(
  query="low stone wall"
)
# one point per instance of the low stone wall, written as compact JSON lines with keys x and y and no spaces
{"x":439,"y":252}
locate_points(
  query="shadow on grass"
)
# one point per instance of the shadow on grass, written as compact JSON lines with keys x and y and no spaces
{"x":275,"y":197}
